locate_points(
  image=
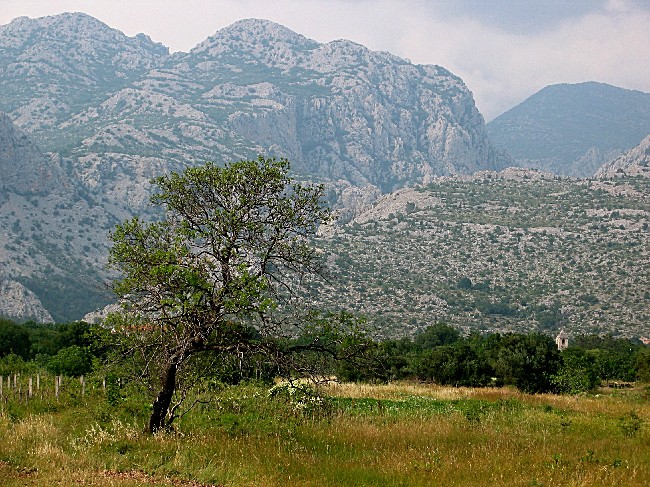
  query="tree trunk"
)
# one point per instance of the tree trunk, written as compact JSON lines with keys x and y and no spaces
{"x":164,"y":399}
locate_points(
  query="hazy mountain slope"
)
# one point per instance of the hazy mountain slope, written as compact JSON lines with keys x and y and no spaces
{"x":635,"y":162}
{"x":114,"y":105}
{"x":109,"y":112}
{"x":51,"y":250}
{"x":339,"y":110}
{"x":540,"y":252}
{"x":572,"y":129}
{"x":52,"y":66}
{"x":24,"y":169}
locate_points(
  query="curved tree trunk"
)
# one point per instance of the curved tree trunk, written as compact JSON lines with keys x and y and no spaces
{"x":164,"y":399}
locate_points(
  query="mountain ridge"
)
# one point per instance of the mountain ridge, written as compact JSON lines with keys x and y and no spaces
{"x":572,"y":129}
{"x":363,"y":122}
{"x":113,"y":111}
{"x":634,"y":162}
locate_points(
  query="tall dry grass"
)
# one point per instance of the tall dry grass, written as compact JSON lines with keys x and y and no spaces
{"x":388,"y":435}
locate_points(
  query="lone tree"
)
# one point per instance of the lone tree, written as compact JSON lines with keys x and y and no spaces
{"x":232,"y":247}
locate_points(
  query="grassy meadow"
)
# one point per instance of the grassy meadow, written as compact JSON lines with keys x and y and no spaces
{"x":400,"y":434}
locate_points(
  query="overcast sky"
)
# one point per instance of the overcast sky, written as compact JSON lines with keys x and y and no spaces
{"x":504,"y":50}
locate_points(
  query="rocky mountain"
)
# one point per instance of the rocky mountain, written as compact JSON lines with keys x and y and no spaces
{"x":635,"y":162}
{"x":92,"y":115}
{"x":112,"y":105}
{"x":52,"y":236}
{"x":572,"y":129}
{"x":96,"y":114}
{"x":519,"y":250}
{"x":24,"y":169}
{"x":54,"y":66}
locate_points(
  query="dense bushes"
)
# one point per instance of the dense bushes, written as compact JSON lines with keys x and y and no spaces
{"x":64,"y":348}
{"x":438,"y":354}
{"x":14,"y":339}
{"x":531,"y":362}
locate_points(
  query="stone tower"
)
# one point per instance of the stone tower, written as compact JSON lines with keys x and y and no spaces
{"x":562,"y":340}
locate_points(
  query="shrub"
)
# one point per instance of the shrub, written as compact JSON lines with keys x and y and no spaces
{"x":71,"y":361}
{"x":576,"y":374}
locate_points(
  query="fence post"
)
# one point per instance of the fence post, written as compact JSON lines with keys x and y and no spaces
{"x":15,"y":381}
{"x":56,"y":387}
{"x":30,"y":390}
{"x":0,"y":386}
{"x":83,"y":385}
{"x":38,"y":382}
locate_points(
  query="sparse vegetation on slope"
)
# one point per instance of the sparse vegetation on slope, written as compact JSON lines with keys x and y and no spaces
{"x":519,"y":251}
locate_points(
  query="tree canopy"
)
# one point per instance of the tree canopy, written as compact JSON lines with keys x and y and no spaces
{"x":232,"y":248}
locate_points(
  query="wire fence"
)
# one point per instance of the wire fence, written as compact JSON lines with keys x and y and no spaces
{"x":23,"y":388}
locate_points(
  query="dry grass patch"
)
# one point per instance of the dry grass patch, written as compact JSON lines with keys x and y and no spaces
{"x":421,"y":435}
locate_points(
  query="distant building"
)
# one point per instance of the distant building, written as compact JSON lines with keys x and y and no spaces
{"x":562,"y":340}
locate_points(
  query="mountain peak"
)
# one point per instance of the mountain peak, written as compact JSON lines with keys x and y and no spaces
{"x":265,"y":28}
{"x":572,"y":129}
{"x":72,"y":27}
{"x":255,"y":32}
{"x":65,"y":24}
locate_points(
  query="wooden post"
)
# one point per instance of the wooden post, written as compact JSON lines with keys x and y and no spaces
{"x":104,"y":383}
{"x":38,"y":382}
{"x":30,"y":390}
{"x":0,"y":386}
{"x":56,"y":387}
{"x":83,"y":385}
{"x":15,"y":381}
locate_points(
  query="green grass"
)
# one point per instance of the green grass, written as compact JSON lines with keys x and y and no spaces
{"x":390,"y":435}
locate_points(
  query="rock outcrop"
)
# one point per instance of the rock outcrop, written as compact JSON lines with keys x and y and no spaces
{"x":20,"y":303}
{"x":635,"y":162}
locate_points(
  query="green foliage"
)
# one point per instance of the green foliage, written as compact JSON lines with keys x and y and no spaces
{"x":72,"y":361}
{"x":14,"y":339}
{"x":526,"y":361}
{"x":464,"y":283}
{"x":614,"y":358}
{"x":379,"y":362}
{"x":228,"y":235}
{"x":14,"y":364}
{"x":41,"y":342}
{"x":436,"y":335}
{"x":577,"y":372}
{"x":457,"y":365}
{"x":643,"y":365}
{"x":232,"y":248}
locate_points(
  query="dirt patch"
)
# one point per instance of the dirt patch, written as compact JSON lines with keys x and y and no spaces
{"x":143,"y":478}
{"x":10,"y":472}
